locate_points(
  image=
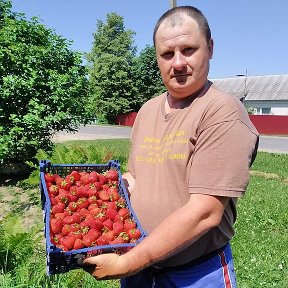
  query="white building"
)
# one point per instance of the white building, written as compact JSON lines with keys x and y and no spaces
{"x":261,"y":94}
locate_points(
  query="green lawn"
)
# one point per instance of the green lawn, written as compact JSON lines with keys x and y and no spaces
{"x":259,"y":246}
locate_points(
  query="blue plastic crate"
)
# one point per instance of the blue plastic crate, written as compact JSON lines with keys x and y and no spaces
{"x":59,"y":261}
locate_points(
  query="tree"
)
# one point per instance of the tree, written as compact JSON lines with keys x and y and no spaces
{"x":147,"y":76}
{"x":110,"y":73}
{"x":43,"y":86}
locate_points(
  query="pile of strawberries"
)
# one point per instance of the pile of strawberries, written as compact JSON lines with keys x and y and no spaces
{"x":87,"y":210}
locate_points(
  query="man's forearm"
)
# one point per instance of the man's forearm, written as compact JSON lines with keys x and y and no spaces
{"x":182,"y":227}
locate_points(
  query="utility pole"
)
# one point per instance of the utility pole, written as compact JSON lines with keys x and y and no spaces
{"x":173,"y":3}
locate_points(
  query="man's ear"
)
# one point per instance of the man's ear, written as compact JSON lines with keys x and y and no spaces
{"x":210,"y":48}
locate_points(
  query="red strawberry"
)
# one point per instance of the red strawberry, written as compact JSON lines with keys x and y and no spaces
{"x":65,"y":229}
{"x":53,"y":190}
{"x":124,"y":212}
{"x":108,"y":224}
{"x":108,"y":235}
{"x":94,"y":211}
{"x":85,"y":178}
{"x":113,"y":194}
{"x":83,"y":212}
{"x":93,"y":223}
{"x":112,"y":174}
{"x":93,"y":177}
{"x":83,"y":202}
{"x":49,"y":177}
{"x":58,"y":208}
{"x":104,"y":195}
{"x":102,"y":179}
{"x":78,"y":244}
{"x":64,"y":184}
{"x":129,"y":224}
{"x":72,"y":206}
{"x":82,"y":191}
{"x":102,"y":241}
{"x":67,"y":242}
{"x":89,"y":239}
{"x":111,"y":213}
{"x":118,"y":227}
{"x":76,"y":175}
{"x":134,"y":234}
{"x":56,"y":225}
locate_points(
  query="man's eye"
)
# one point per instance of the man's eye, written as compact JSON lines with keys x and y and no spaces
{"x":188,"y":51}
{"x":167,"y":55}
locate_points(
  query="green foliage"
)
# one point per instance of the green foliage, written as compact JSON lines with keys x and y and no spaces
{"x":43,"y":87}
{"x":147,"y":76}
{"x":15,"y":243}
{"x":110,"y":70}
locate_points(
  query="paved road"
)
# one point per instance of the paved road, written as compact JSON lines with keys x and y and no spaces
{"x":274,"y":144}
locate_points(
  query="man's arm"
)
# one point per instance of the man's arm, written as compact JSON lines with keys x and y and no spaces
{"x":184,"y":226}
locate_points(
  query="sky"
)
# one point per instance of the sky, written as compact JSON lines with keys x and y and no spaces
{"x":250,"y":36}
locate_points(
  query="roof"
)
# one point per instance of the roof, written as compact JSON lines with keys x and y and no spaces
{"x":269,"y":87}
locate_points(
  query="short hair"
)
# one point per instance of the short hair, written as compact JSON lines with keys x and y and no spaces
{"x":175,"y":13}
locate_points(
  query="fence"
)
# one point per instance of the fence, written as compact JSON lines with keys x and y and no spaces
{"x":265,"y":124}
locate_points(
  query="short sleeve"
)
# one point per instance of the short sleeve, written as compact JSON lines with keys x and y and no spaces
{"x":221,"y":160}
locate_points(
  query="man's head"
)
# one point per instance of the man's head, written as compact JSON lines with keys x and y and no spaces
{"x":183,"y":44}
{"x":174,"y":14}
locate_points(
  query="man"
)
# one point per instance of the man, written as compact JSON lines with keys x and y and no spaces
{"x":191,"y":152}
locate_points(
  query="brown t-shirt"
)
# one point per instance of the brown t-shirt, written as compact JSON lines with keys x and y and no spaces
{"x":204,"y":148}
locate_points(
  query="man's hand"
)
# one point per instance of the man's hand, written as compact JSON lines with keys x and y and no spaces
{"x":105,"y":266}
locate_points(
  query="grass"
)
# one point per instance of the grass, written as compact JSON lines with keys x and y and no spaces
{"x":259,"y":245}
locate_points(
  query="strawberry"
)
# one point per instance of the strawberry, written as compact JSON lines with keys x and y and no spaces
{"x":85,"y":178}
{"x":108,"y":224}
{"x":83,"y":202}
{"x":95,"y":211}
{"x":90,"y":238}
{"x":76,"y":175}
{"x":78,"y":244}
{"x":129,"y":224}
{"x":104,"y":195}
{"x":49,"y":177}
{"x":93,"y":177}
{"x":53,"y":190}
{"x":83,"y":212}
{"x":58,"y":208}
{"x":102,"y":179}
{"x":92,"y":199}
{"x":56,"y":225}
{"x":65,"y":229}
{"x":113,"y":194}
{"x":112,"y":205}
{"x":111,"y":213}
{"x":134,"y":234}
{"x":67,"y":242}
{"x":102,"y":241}
{"x":72,"y":206}
{"x":91,"y":222}
{"x":82,"y":191}
{"x":112,"y":174}
{"x":118,"y":227}
{"x":124,"y":212}
{"x":108,"y":235}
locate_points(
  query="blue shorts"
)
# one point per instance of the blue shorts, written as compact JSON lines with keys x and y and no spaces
{"x":215,"y":272}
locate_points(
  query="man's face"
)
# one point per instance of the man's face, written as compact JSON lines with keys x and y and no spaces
{"x":183,"y":56}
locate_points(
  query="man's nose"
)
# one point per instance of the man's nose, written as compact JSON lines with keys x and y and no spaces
{"x":179,"y":61}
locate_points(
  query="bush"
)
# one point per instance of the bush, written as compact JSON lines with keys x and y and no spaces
{"x":43,"y":87}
